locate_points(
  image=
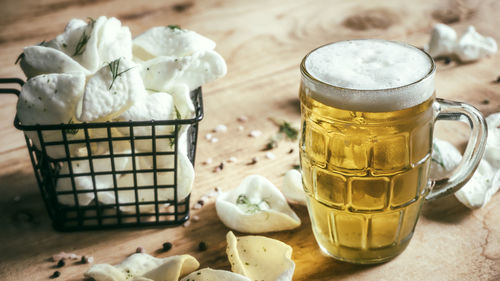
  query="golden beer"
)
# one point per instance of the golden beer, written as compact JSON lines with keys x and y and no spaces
{"x":365,"y":172}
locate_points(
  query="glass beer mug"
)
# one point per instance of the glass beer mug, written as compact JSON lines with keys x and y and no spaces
{"x":368,"y":109}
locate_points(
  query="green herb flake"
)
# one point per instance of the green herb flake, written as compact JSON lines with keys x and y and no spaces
{"x":84,"y":39}
{"x":174,"y":27}
{"x":290,"y":132}
{"x":250,"y":207}
{"x":177,"y":113}
{"x":114,"y":67}
{"x":71,"y":131}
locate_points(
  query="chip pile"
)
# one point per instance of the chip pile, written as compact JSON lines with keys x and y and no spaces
{"x":95,"y":72}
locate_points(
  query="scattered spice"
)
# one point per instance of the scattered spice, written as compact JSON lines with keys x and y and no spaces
{"x":232,"y":160}
{"x":241,"y":128}
{"x":202,"y":246}
{"x":242,"y":118}
{"x":186,"y":224}
{"x":208,"y":136}
{"x":55,"y":275}
{"x":219,"y":168}
{"x":214,"y":140}
{"x":270,"y":155}
{"x":196,"y":218}
{"x":250,"y":207}
{"x":197,"y":206}
{"x":167,"y":246}
{"x":87,"y":259}
{"x":290,"y":132}
{"x":208,"y":161}
{"x":272,"y":143}
{"x":253,"y":161}
{"x":201,"y":202}
{"x":498,"y":79}
{"x":140,"y":250}
{"x":485,"y":101}
{"x":221,"y":128}
{"x":447,"y":60}
{"x":255,"y":133}
{"x":290,"y":151}
{"x":60,"y":263}
{"x":174,"y":27}
{"x":296,"y":167}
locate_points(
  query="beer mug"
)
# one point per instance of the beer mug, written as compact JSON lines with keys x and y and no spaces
{"x":368,"y":109}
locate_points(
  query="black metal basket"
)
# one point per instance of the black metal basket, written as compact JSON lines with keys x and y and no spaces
{"x":96,"y":214}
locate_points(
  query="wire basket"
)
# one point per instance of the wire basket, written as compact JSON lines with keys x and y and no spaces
{"x":114,"y":212}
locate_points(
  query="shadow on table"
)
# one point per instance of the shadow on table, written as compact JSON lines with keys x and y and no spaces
{"x":446,"y":210}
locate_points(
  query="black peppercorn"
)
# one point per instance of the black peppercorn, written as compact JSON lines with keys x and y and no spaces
{"x":167,"y":246}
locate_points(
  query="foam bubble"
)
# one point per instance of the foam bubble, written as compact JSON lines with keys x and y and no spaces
{"x":369,"y":75}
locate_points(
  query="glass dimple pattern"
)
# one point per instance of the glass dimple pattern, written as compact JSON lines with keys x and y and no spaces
{"x":364,"y":182}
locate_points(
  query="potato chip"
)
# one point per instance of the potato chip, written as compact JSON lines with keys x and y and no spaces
{"x":86,"y":182}
{"x":492,"y":152}
{"x":182,"y":100}
{"x":169,"y":41}
{"x":43,"y":60}
{"x":260,"y":258}
{"x":162,"y":73}
{"x":473,"y":46}
{"x":185,"y":179}
{"x":445,"y":157}
{"x":292,"y":187}
{"x":144,"y":266}
{"x":111,"y":91}
{"x":208,"y":274}
{"x":115,"y":41}
{"x":479,"y":189}
{"x":50,"y":99}
{"x":155,"y":106}
{"x":255,"y":206}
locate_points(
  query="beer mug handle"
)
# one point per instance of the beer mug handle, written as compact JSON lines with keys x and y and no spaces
{"x":452,"y":110}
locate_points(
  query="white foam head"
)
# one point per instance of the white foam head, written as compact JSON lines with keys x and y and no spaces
{"x":369,"y":75}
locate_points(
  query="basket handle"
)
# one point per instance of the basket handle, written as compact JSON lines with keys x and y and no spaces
{"x":11,"y":90}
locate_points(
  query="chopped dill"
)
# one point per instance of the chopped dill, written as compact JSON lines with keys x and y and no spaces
{"x":71,"y":131}
{"x":114,"y":67}
{"x":84,"y":39}
{"x":174,"y":27}
{"x":250,"y":207}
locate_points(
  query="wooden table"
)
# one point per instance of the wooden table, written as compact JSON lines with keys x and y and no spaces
{"x":263,"y":43}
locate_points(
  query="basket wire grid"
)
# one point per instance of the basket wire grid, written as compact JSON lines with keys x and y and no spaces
{"x":97,"y":215}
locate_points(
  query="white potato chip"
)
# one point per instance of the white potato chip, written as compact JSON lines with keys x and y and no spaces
{"x":292,"y":187}
{"x":111,"y":91}
{"x":86,"y":182}
{"x":260,"y":258}
{"x":145,"y":266}
{"x":105,"y":272}
{"x":445,"y":157}
{"x":43,"y":60}
{"x":173,"y":268}
{"x":182,"y":100}
{"x":479,"y":189}
{"x":473,"y":46}
{"x":161,"y":73}
{"x":208,"y":274}
{"x":185,"y":179}
{"x":50,"y":99}
{"x":169,"y":41}
{"x":80,"y":42}
{"x":115,"y":41}
{"x":443,"y":41}
{"x":255,"y":206}
{"x":492,"y":152}
{"x":155,"y":106}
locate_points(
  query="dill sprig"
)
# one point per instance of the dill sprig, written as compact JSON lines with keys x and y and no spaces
{"x":250,"y":207}
{"x":84,"y":39}
{"x":114,"y":67}
{"x":177,"y":113}
{"x":286,"y":130}
{"x":71,"y":131}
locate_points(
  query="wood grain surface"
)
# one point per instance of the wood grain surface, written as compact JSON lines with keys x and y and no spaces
{"x":263,"y":43}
